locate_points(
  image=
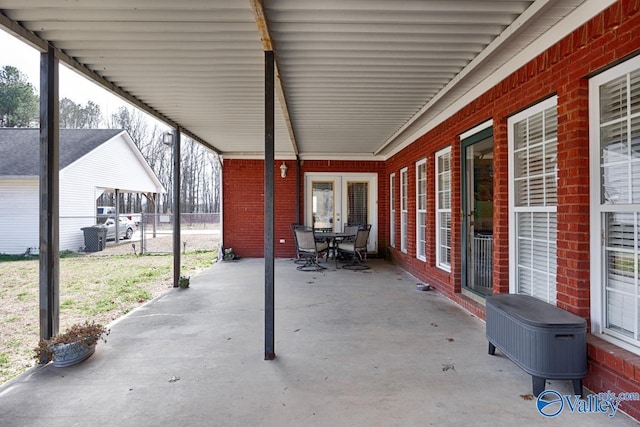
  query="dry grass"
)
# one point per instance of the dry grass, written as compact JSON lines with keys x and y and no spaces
{"x":94,"y":288}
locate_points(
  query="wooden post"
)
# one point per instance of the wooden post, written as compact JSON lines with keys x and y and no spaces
{"x":49,"y":196}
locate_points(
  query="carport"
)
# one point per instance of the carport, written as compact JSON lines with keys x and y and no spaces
{"x":296,"y":80}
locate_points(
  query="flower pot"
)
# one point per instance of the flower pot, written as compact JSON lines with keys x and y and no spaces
{"x":70,"y":354}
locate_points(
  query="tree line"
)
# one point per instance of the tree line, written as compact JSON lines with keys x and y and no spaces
{"x":200,"y":167}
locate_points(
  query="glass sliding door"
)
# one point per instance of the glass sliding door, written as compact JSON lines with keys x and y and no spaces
{"x":477,"y":207}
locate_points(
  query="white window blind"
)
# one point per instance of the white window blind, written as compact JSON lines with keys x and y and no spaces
{"x":616,"y":97}
{"x":443,"y":209}
{"x":534,"y":148}
{"x":357,"y":202}
{"x":421,"y":210}
{"x":392,"y":216}
{"x":404,"y":199}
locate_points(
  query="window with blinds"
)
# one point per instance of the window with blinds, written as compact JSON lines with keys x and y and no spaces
{"x":392,"y":204}
{"x":357,"y":202}
{"x":404,"y":199}
{"x":533,"y":138}
{"x":421,"y":210}
{"x":443,"y":209}
{"x":615,"y":109}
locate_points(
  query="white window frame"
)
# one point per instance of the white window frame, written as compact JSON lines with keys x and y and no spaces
{"x":597,"y":213}
{"x":440,"y":211}
{"x":392,"y":210}
{"x":421,"y":210}
{"x":514,"y":210}
{"x":404,"y":210}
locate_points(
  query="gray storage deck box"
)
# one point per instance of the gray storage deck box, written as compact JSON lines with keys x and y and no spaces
{"x":544,"y":340}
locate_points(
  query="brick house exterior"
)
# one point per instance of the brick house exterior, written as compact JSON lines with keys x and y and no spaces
{"x":564,"y":71}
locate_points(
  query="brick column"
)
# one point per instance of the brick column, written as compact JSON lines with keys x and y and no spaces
{"x":501,"y":207}
{"x":573,"y":197}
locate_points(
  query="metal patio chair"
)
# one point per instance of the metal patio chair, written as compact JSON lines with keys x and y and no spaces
{"x":309,"y":249}
{"x":351,"y":229}
{"x":298,"y":259}
{"x":356,"y":249}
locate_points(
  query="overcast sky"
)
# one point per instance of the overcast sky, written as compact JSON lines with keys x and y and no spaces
{"x":72,"y":85}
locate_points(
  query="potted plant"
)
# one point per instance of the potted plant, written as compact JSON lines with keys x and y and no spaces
{"x":228,"y":254}
{"x":73,"y":346}
{"x":183,"y":281}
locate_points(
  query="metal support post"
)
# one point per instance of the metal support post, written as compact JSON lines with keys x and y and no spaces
{"x":269,"y":153}
{"x":176,"y":207}
{"x":49,"y":196}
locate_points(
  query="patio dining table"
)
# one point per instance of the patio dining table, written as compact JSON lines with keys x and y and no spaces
{"x":333,"y":238}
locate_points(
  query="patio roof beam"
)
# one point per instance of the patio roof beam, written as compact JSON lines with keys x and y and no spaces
{"x":265,"y":36}
{"x":39,"y":44}
{"x":49,"y":196}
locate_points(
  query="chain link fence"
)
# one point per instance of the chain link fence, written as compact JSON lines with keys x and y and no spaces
{"x":197,"y":232}
{"x":138,"y":233}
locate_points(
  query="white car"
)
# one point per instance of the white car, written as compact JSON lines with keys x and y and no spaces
{"x":125,"y":228}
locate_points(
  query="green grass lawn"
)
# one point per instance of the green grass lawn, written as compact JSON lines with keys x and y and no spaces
{"x":94,"y":288}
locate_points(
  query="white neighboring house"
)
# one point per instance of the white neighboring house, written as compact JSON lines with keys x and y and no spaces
{"x":92,"y":161}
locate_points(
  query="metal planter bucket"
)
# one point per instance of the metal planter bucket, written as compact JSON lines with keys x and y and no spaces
{"x":70,"y":354}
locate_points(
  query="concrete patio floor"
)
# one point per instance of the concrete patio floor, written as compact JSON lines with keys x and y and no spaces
{"x":353,"y":349}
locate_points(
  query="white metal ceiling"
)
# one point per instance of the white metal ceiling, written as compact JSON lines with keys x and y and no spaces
{"x":359,"y":76}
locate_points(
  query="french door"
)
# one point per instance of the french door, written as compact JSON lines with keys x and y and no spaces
{"x":335,"y":199}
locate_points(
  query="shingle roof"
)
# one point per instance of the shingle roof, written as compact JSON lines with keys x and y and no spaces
{"x":20,"y":148}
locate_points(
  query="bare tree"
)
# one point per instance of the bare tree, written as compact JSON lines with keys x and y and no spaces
{"x":199,"y":174}
{"x":200,"y":167}
{"x":77,"y":116}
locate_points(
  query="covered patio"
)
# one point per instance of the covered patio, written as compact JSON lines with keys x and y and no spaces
{"x":355,"y":348}
{"x":469,"y":134}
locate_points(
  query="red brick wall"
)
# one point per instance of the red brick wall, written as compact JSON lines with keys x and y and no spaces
{"x":615,"y":369}
{"x":243,"y":207}
{"x":562,"y":70}
{"x":243,"y":202}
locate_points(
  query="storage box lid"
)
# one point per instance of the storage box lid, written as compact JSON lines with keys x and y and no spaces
{"x":535,"y":312}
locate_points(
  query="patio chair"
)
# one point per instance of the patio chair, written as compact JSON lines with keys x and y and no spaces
{"x":356,"y":249}
{"x":351,"y":229}
{"x":298,"y":259}
{"x":309,"y":249}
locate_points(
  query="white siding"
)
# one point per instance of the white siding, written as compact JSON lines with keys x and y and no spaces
{"x":112,"y":165}
{"x":20,"y":219}
{"x":77,"y":208}
{"x":19,"y":215}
